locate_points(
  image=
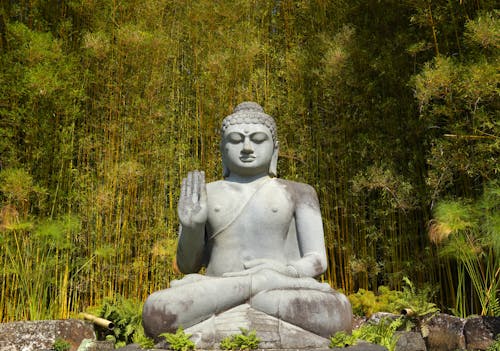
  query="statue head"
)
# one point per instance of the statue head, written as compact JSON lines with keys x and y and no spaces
{"x":252,"y":116}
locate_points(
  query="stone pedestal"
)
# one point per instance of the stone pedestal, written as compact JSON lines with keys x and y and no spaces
{"x":274,"y":333}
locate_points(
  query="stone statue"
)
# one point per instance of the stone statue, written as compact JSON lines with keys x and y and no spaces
{"x":259,"y":237}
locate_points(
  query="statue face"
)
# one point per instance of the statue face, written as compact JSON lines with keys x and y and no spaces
{"x":247,"y":149}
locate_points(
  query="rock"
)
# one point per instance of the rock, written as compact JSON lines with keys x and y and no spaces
{"x":445,"y":333}
{"x":480,"y":332}
{"x":94,"y":345}
{"x":41,"y":335}
{"x":410,"y":341}
{"x":274,"y":333}
{"x":131,"y":347}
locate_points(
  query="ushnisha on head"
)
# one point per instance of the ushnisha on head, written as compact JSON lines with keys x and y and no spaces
{"x":248,"y":113}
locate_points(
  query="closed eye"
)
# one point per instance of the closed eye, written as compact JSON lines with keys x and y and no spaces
{"x":258,"y":137}
{"x":235,"y":138}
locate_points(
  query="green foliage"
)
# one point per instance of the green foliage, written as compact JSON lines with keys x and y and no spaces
{"x":19,"y":190}
{"x":126,"y":315}
{"x":468,"y":231}
{"x":419,"y":301}
{"x":342,"y":339}
{"x":495,"y":346}
{"x":247,"y":340}
{"x":106,"y":105}
{"x":381,"y":333}
{"x":61,"y":345}
{"x":366,"y":302}
{"x":179,"y":341}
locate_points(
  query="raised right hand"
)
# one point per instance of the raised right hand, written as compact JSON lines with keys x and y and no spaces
{"x":192,"y":208}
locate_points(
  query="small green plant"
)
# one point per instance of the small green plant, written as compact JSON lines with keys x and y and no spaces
{"x":244,"y":341}
{"x":342,"y":339}
{"x":366,"y":303}
{"x":417,"y":301}
{"x":126,"y":314}
{"x":381,"y":333}
{"x":61,"y":345}
{"x":496,"y":345}
{"x":179,"y":341}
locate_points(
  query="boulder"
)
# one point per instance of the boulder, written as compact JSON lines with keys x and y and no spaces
{"x":410,"y":341}
{"x":41,"y":335}
{"x":480,"y":332}
{"x":445,"y":333}
{"x":94,"y":345}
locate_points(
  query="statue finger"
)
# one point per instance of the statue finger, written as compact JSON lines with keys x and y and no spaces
{"x":184,"y":188}
{"x":203,"y":188}
{"x":196,"y":187}
{"x":189,"y":185}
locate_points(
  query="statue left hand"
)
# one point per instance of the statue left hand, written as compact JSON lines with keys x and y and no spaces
{"x":254,"y":266}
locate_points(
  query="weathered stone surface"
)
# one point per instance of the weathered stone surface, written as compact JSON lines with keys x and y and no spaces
{"x":40,"y":335}
{"x":446,"y":333}
{"x":480,"y":332}
{"x":94,"y":345}
{"x":274,"y":333}
{"x":410,"y":341}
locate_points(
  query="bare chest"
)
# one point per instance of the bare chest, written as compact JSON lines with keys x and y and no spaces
{"x":253,"y":211}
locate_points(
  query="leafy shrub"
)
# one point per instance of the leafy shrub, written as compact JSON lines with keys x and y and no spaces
{"x":179,"y":341}
{"x":381,"y":333}
{"x":244,"y":341}
{"x":496,"y":345}
{"x":126,"y":314}
{"x":342,"y":339}
{"x":366,"y":303}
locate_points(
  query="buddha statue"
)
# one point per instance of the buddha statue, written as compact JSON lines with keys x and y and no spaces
{"x":260,"y":238}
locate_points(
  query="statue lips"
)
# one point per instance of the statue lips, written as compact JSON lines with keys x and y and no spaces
{"x":247,"y":158}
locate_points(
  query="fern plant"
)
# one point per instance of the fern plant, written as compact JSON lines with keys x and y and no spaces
{"x":61,"y":345}
{"x":342,"y":339}
{"x":126,"y":315}
{"x":381,"y":333}
{"x":244,"y":341}
{"x":179,"y":340}
{"x":417,"y":300}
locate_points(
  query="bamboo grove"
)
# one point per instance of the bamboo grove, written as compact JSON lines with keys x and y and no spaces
{"x":388,"y":108}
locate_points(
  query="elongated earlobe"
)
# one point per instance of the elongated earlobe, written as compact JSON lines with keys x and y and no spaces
{"x":225,"y":170}
{"x":273,"y":166}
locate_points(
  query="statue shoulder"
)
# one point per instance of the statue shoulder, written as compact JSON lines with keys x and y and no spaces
{"x":215,"y":187}
{"x":302,"y":193}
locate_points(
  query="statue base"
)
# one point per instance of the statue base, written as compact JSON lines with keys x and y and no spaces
{"x":273,"y":332}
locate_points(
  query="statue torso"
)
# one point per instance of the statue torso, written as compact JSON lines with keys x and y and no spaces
{"x":248,"y":221}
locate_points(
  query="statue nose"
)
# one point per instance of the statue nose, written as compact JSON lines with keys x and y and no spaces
{"x":247,"y":146}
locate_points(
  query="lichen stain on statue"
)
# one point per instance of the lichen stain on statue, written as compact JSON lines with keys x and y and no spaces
{"x":260,"y":238}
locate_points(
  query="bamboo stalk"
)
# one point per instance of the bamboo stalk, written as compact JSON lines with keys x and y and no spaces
{"x":98,"y":321}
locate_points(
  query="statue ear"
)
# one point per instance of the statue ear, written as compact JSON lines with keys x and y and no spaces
{"x":273,"y":166}
{"x":225,"y":170}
